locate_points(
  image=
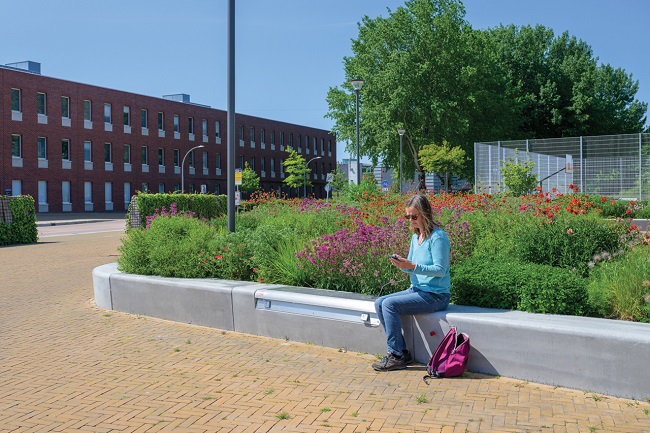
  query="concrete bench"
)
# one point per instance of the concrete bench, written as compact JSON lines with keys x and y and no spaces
{"x":597,"y":355}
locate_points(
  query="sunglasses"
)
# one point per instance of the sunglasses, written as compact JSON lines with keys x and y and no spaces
{"x":411,"y":217}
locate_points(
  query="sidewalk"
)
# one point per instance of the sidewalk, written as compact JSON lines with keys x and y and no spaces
{"x":68,"y":366}
{"x":55,"y":219}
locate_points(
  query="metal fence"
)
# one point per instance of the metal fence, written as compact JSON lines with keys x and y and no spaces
{"x":616,"y":166}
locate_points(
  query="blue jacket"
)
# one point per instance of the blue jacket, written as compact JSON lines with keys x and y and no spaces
{"x":431,"y":258}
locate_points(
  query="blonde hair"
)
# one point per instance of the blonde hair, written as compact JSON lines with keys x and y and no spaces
{"x":423,"y":206}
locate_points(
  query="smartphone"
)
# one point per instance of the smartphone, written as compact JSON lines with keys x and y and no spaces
{"x":393,"y":256}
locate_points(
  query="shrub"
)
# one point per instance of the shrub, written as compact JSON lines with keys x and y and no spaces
{"x":22,"y":229}
{"x":569,"y":242}
{"x":504,"y":282}
{"x":620,"y":288}
{"x":206,"y":206}
{"x":356,"y":260}
{"x":171,"y":247}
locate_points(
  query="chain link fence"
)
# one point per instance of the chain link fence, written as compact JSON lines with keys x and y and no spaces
{"x":616,"y":166}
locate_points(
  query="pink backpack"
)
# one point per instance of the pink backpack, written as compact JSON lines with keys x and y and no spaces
{"x":450,"y":357}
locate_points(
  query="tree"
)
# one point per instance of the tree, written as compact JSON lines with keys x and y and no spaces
{"x":340,"y":182}
{"x":443,"y":160}
{"x":426,"y":71}
{"x":557,"y":86}
{"x":296,"y":170}
{"x":250,"y":181}
{"x":519,"y":178}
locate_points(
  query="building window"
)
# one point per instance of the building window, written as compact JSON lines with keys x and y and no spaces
{"x":176,"y":123}
{"x":329,"y":146}
{"x":177,"y":158}
{"x":161,"y":156}
{"x":291,"y":141}
{"x":127,"y":154}
{"x":241,"y":161}
{"x":16,"y":146}
{"x":218,"y":161}
{"x":88,"y":192}
{"x":272,"y":138}
{"x":191,"y":158}
{"x":42,"y":148}
{"x":322,"y":146}
{"x":272,"y":165}
{"x":282,"y":139}
{"x":299,"y":144}
{"x":65,"y":150}
{"x":145,"y":187}
{"x":16,"y":104}
{"x":65,"y":107}
{"x":204,"y":127}
{"x":107,"y":114}
{"x":217,"y":129}
{"x":315,"y":145}
{"x":241,"y":132}
{"x":190,"y":125}
{"x":88,"y":157}
{"x":40,"y":104}
{"x":127,"y":116}
{"x":145,"y":155}
{"x":262,"y":164}
{"x":205,"y":160}
{"x":144,"y":119}
{"x":251,"y":132}
{"x":161,"y":121}
{"x":87,"y":109}
{"x":161,"y":188}
{"x":65,"y":191}
{"x":253,"y":163}
{"x":261,"y":135}
{"x":108,"y":152}
{"x":42,"y":192}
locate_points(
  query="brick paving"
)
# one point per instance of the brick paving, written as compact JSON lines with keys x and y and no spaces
{"x":67,"y":366}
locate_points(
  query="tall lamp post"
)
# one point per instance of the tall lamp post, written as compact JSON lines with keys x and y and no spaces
{"x":304,"y":177}
{"x":401,"y":134}
{"x":357,"y":84}
{"x":183,"y":167}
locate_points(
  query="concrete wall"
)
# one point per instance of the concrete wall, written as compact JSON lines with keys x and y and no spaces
{"x":596,"y":355}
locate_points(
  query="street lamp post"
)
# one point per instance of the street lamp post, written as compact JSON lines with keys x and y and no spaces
{"x":304,"y":177}
{"x":357,"y":85}
{"x":183,"y":167}
{"x":401,"y":134}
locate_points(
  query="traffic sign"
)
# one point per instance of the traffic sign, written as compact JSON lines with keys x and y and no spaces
{"x":238,"y":176}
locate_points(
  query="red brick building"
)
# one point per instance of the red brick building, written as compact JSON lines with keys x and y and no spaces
{"x":77,"y":147}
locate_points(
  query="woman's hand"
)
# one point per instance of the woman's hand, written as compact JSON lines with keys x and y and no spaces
{"x":402,"y":262}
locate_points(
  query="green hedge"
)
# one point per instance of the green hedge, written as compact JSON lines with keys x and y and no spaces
{"x":21,"y":212}
{"x":503,"y":282}
{"x":205,"y":206}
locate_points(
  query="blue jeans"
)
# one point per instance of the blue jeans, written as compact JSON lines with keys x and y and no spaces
{"x":409,"y":301}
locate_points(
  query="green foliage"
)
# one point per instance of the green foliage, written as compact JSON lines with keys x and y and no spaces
{"x":569,"y":243}
{"x":250,"y":181}
{"x":205,"y":206}
{"x":367,"y":191}
{"x":506,"y":283}
{"x":443,"y":160}
{"x":294,"y":167}
{"x":620,"y":287}
{"x":22,"y":229}
{"x":339,"y":183}
{"x":519,"y":178}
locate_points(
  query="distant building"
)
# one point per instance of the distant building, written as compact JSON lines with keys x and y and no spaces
{"x":77,"y":147}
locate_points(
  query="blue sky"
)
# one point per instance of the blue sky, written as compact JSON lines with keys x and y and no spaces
{"x":288,"y":52}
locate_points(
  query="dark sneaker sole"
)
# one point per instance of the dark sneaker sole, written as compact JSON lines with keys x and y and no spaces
{"x":377,"y":367}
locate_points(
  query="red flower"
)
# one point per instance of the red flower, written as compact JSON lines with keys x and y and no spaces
{"x":603,"y":199}
{"x":569,"y":231}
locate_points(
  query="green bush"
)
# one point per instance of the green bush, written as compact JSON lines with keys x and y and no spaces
{"x":206,"y":206}
{"x":569,"y":242}
{"x":503,"y":282}
{"x":22,"y":229}
{"x":620,"y":288}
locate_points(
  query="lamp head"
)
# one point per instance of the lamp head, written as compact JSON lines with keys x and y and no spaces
{"x":357,"y":84}
{"x":401,"y":131}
